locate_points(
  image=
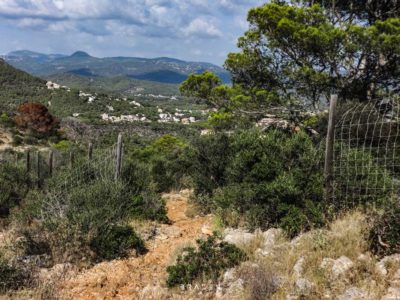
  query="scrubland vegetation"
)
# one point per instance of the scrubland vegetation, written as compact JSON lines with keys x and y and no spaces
{"x":280,"y":235}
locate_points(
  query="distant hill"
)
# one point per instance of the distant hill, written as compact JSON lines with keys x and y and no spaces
{"x":120,"y":85}
{"x":162,"y":69}
{"x":17,"y":87}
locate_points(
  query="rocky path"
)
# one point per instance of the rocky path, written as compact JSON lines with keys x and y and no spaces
{"x":142,"y":277}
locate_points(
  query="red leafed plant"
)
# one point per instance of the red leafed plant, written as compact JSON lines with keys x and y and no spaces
{"x":36,"y":117}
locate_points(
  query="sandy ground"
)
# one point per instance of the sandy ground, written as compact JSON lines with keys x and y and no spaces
{"x":126,"y":279}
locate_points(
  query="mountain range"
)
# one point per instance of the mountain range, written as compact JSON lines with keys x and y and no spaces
{"x":162,"y":69}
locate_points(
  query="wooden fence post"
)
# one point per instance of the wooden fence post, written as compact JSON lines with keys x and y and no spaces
{"x":71,"y":159}
{"x":51,"y":159}
{"x":329,"y":151}
{"x":118,"y":162}
{"x":38,"y":169}
{"x":28,"y":161}
{"x":90,"y":151}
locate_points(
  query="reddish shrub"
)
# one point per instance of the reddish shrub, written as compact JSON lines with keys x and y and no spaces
{"x":36,"y":117}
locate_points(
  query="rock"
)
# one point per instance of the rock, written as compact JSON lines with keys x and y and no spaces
{"x":395,"y":282}
{"x":270,"y":237}
{"x":353,"y":293}
{"x":237,"y":237}
{"x":337,"y":267}
{"x":381,"y":265}
{"x":235,"y":290}
{"x":172,"y":231}
{"x":59,"y":271}
{"x":327,"y":263}
{"x":219,"y":292}
{"x":229,"y":276}
{"x":154,"y":292}
{"x":341,"y":266}
{"x":298,"y":267}
{"x":392,"y":294}
{"x":304,"y":286}
{"x":363,"y":258}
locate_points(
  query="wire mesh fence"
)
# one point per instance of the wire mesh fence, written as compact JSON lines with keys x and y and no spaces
{"x":366,"y":163}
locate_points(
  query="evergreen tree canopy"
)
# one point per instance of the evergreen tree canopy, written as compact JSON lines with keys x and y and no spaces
{"x":310,"y":49}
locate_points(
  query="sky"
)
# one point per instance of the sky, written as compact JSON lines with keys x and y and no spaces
{"x":194,"y":30}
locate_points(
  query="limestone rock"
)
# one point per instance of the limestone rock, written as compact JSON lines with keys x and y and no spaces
{"x":381,"y":265}
{"x":341,"y":266}
{"x":353,"y":293}
{"x":337,"y":267}
{"x":298,"y":267}
{"x":392,"y":294}
{"x":238,"y":237}
{"x":271,"y":236}
{"x":304,"y":286}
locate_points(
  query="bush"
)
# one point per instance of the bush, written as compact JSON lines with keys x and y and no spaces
{"x":257,"y":179}
{"x":11,"y":277}
{"x":6,"y":121}
{"x":208,"y":261}
{"x":35,"y":118}
{"x":80,"y":213}
{"x":14,"y":184}
{"x":116,"y":241}
{"x":17,"y":140}
{"x":384,"y":236}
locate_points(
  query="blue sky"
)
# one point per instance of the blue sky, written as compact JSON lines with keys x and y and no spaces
{"x":196,"y":30}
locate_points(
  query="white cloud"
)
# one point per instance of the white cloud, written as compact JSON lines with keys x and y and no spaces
{"x":179,"y":26}
{"x":202,"y":28}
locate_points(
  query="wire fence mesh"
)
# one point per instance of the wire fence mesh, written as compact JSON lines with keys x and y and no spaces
{"x":366,"y":164}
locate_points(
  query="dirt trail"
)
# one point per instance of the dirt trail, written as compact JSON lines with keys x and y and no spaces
{"x":126,"y":279}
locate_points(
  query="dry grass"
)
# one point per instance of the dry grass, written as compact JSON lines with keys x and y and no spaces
{"x":344,"y":237}
{"x":259,"y":280}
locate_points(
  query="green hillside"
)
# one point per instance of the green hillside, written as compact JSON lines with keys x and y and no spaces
{"x":17,"y":87}
{"x":117,"y":85}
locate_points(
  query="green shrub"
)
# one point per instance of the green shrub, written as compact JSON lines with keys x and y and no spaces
{"x":14,"y":185}
{"x":62,"y":145}
{"x":12,"y":277}
{"x":116,"y":241}
{"x":6,"y":120}
{"x":208,"y":261}
{"x":149,"y":206}
{"x":265,"y":177}
{"x":384,"y":236}
{"x":17,"y":140}
{"x":361,"y":181}
{"x":30,"y":140}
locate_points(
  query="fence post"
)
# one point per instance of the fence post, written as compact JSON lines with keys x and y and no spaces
{"x":90,"y":151}
{"x":28,"y":161}
{"x":71,"y":159}
{"x":51,"y":159}
{"x":118,"y":162}
{"x":328,"y":168}
{"x":38,"y":169}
